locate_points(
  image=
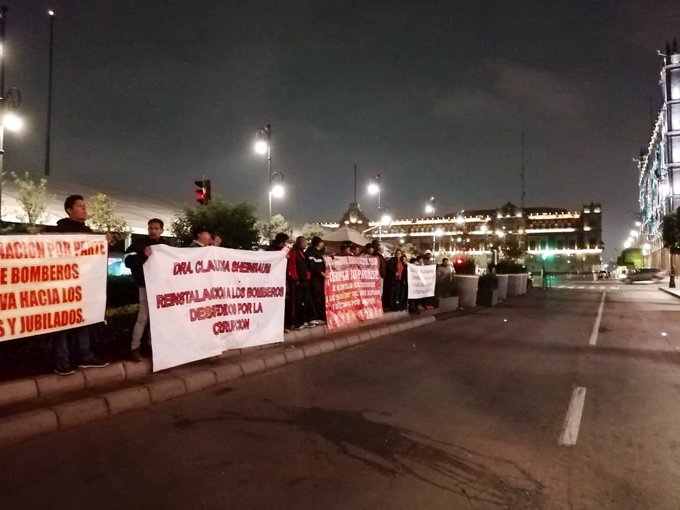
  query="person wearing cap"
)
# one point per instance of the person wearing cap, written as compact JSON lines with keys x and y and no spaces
{"x":201,"y":237}
{"x":317,"y":270}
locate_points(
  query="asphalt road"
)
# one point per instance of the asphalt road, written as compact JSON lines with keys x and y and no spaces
{"x":469,"y":412}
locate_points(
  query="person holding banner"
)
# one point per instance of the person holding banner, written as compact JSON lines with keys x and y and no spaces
{"x":395,"y":280}
{"x":202,"y":237}
{"x":317,"y":269}
{"x":76,"y":340}
{"x":135,"y":257}
{"x":302,"y":306}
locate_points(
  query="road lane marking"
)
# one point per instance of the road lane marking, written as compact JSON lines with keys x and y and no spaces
{"x":596,"y":327}
{"x":572,"y":422}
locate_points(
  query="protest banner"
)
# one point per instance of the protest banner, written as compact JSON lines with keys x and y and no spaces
{"x":204,"y":301}
{"x":51,"y":283}
{"x":421,"y":281}
{"x":353,"y":290}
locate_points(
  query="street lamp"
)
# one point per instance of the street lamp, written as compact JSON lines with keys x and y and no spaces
{"x":276,"y":188}
{"x":374,"y":189}
{"x":48,"y":139}
{"x":9,"y":99}
{"x":437,"y":233}
{"x":263,"y":147}
{"x":429,"y":206}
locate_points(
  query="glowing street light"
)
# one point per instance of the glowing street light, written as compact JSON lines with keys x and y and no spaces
{"x":429,"y":206}
{"x":8,"y":99}
{"x":374,"y":189}
{"x":263,"y":147}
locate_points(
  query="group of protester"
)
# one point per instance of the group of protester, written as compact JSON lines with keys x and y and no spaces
{"x":305,"y":282}
{"x":306,"y":273}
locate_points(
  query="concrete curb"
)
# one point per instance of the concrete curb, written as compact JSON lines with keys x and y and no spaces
{"x":670,"y":292}
{"x":174,"y":383}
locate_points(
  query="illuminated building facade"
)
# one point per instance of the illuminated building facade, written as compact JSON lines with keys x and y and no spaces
{"x":659,"y":165}
{"x":562,"y":240}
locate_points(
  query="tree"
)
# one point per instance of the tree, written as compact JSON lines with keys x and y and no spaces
{"x":631,"y":257}
{"x":31,"y":196}
{"x":512,"y":249}
{"x":236,"y":224}
{"x":310,"y":230}
{"x":670,"y":228}
{"x":102,"y":216}
{"x":269,"y":230}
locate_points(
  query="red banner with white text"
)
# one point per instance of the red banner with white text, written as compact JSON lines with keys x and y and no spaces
{"x":51,"y":283}
{"x":353,"y":290}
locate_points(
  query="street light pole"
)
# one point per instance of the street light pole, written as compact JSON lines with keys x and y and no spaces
{"x":48,"y":140}
{"x":3,"y":19}
{"x":268,"y":129}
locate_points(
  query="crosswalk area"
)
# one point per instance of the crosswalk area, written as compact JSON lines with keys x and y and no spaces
{"x":597,"y":288}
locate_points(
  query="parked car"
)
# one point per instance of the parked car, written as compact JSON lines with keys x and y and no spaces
{"x":645,"y":274}
{"x":602,"y":275}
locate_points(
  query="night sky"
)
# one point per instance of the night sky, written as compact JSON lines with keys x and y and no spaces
{"x":434,"y":96}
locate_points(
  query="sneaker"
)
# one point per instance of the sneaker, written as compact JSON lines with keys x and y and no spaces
{"x":302,"y":326}
{"x":92,"y":362}
{"x":64,"y":368}
{"x":135,"y":355}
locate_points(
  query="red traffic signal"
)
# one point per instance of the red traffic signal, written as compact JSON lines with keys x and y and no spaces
{"x":202,"y":193}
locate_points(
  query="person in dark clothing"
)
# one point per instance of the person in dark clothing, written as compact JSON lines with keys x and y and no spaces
{"x":77,"y":340}
{"x":395,"y":274}
{"x":378,"y":253}
{"x":368,"y":249}
{"x":317,"y":270}
{"x":135,"y":257}
{"x":201,"y":237}
{"x":280,"y":243}
{"x":302,"y":311}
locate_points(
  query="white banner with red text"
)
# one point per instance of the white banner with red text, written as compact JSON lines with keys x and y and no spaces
{"x":421,"y":281}
{"x":353,"y":290}
{"x":51,"y":283}
{"x":204,"y":301}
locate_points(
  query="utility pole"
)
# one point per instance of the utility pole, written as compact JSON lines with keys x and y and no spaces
{"x":48,"y":140}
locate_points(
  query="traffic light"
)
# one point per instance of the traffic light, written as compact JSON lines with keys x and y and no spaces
{"x":202,"y":192}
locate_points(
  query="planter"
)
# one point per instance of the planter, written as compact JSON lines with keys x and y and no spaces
{"x":525,"y":281}
{"x":448,"y":304}
{"x":502,"y":286}
{"x":514,"y":284}
{"x":467,"y":290}
{"x":487,"y":297}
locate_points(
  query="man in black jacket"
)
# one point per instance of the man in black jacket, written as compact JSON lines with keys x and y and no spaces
{"x":80,"y":337}
{"x":317,"y":270}
{"x":135,"y":257}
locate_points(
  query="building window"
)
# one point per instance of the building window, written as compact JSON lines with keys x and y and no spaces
{"x":675,"y":117}
{"x":592,"y":243}
{"x":674,"y":148}
{"x":572,"y":244}
{"x":560,"y":244}
{"x":674,"y":76}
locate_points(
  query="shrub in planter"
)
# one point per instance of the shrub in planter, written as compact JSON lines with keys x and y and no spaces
{"x":121,"y":291}
{"x":507,"y":266}
{"x":465,"y":266}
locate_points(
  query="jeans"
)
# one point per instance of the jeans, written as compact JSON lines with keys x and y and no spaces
{"x":75,"y":341}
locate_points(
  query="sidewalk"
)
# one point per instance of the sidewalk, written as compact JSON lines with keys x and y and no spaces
{"x":46,"y":403}
{"x":673,"y":292}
